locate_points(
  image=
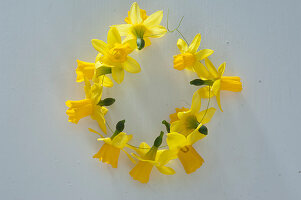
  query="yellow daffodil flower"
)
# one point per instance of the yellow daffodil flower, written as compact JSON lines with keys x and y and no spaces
{"x":147,"y":158}
{"x":114,"y":54}
{"x":190,"y":57}
{"x":184,"y":150}
{"x":190,"y":120}
{"x":140,"y":28}
{"x":88,"y":106}
{"x":86,"y":70}
{"x":110,"y":150}
{"x":219,"y":82}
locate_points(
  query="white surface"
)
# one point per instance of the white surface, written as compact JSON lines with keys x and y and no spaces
{"x":253,"y":148}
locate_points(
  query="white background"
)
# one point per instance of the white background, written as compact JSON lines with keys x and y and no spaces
{"x":253,"y":147}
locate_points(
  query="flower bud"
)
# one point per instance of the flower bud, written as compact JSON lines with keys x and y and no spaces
{"x":140,"y":43}
{"x":167,"y":125}
{"x":106,"y":102}
{"x":120,"y":126}
{"x":204,"y":130}
{"x":158,"y":140}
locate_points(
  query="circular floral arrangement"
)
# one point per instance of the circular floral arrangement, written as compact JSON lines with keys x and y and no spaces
{"x":185,"y":127}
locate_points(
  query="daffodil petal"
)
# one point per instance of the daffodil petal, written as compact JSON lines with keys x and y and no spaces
{"x":106,"y":140}
{"x":123,"y":29}
{"x":131,"y":65}
{"x":147,"y":42}
{"x":154,"y":19}
{"x":196,"y":103}
{"x":166,"y":170}
{"x":165,"y":156}
{"x":135,"y":14}
{"x":156,"y":31}
{"x":221,"y":69}
{"x":211,"y":68}
{"x":118,"y":74}
{"x":204,"y":92}
{"x":182,"y":45}
{"x":218,"y":99}
{"x":204,"y":53}
{"x":93,"y":131}
{"x":205,"y":116}
{"x":120,"y":140}
{"x":129,"y":156}
{"x":143,"y":148}
{"x":177,"y":126}
{"x":201,"y":70}
{"x":193,"y":47}
{"x":175,"y":140}
{"x":106,"y":81}
{"x":194,"y":137}
{"x":113,"y":36}
{"x":216,"y":87}
{"x":100,"y":46}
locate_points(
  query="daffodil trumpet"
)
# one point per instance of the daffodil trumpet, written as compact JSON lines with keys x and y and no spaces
{"x":182,"y":147}
{"x":148,"y":157}
{"x":110,"y":150}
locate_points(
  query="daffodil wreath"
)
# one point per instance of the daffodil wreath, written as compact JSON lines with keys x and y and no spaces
{"x":186,"y":125}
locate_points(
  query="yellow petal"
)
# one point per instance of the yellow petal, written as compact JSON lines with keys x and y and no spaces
{"x":129,"y":156}
{"x":131,"y":65}
{"x":204,"y":53}
{"x":216,"y":87}
{"x":211,"y":68}
{"x":131,"y":40}
{"x":166,"y":170}
{"x":156,"y":31}
{"x":154,"y":19}
{"x":99,"y":117}
{"x":135,"y":14}
{"x":201,"y":70}
{"x":182,"y":45}
{"x":174,"y":117}
{"x":205,"y":116}
{"x":204,"y":92}
{"x":93,"y":131}
{"x":194,"y":137}
{"x":106,"y":140}
{"x":193,"y":47}
{"x":118,"y":74}
{"x":196,"y":103}
{"x":221,"y":69}
{"x":147,"y":42}
{"x":120,"y":140}
{"x":106,"y":81}
{"x":113,"y":36}
{"x":100,"y":46}
{"x":175,"y":140}
{"x":164,"y":156}
{"x":218,"y":99}
{"x":177,"y":126}
{"x":123,"y":29}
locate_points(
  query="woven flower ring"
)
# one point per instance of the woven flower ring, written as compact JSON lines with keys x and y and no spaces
{"x":185,"y":127}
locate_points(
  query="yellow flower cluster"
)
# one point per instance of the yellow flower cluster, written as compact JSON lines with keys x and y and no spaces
{"x":186,"y":126}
